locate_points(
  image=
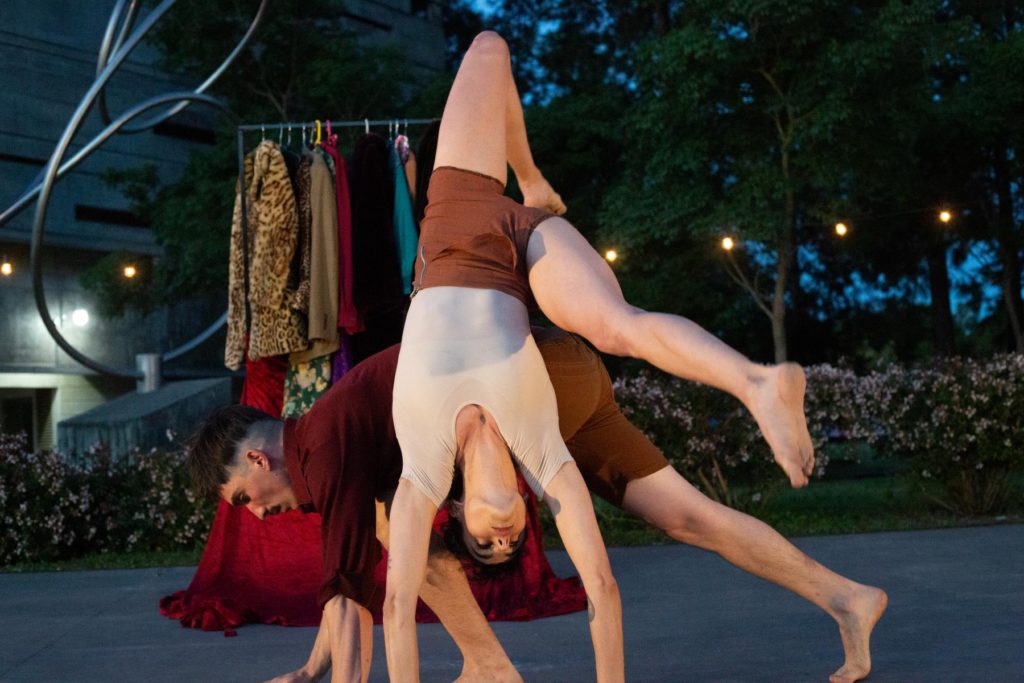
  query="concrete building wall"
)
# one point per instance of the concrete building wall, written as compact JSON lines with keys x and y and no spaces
{"x":48,"y":52}
{"x":51,"y":398}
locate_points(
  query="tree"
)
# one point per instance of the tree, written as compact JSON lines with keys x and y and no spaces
{"x":985,"y":90}
{"x":745,"y":118}
{"x":301,"y":65}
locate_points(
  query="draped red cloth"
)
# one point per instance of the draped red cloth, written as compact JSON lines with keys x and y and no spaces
{"x":268,"y":571}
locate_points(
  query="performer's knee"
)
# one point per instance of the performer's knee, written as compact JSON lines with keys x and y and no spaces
{"x":614,"y":333}
{"x":489,"y":43}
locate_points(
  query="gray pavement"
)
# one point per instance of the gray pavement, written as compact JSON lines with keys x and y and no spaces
{"x":956,"y":613}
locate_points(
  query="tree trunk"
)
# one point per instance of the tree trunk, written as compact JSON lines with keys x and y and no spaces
{"x":942,"y":317}
{"x":1008,"y":251}
{"x":786,"y":253}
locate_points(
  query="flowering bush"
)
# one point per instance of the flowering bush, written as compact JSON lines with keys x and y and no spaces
{"x":708,"y":435}
{"x":959,"y":423}
{"x":54,"y":507}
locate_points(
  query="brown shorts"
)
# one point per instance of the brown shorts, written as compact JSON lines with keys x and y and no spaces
{"x":609,"y":451}
{"x":472,"y":235}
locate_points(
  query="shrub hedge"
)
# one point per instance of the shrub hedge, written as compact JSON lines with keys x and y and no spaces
{"x":958,"y":424}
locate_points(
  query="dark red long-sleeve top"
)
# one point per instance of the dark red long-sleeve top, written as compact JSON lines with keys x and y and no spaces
{"x":338,"y":452}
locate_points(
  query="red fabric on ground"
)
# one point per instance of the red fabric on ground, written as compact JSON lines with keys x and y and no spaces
{"x":268,"y":571}
{"x":253,"y":572}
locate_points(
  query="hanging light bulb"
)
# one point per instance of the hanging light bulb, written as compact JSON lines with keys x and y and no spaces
{"x":130,"y":271}
{"x":841,"y":229}
{"x":6,"y":267}
{"x":611,"y":256}
{"x":727,"y":243}
{"x":945,"y":216}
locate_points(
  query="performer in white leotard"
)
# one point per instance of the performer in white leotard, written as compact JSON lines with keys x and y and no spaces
{"x":471,"y":389}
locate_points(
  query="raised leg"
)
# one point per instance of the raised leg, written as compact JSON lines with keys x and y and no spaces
{"x":576,"y":289}
{"x":670,"y":503}
{"x":482,"y":128}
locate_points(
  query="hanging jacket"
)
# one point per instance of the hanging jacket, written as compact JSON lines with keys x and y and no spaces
{"x":425,"y":164}
{"x":406,"y":235}
{"x":275,"y":327}
{"x":348,"y":317}
{"x":323,"y":296}
{"x":377,"y":282}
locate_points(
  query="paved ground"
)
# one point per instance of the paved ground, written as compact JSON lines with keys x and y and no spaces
{"x":956,"y":613}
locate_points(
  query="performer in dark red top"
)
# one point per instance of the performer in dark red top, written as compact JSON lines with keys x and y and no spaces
{"x":341,"y":456}
{"x":342,"y":460}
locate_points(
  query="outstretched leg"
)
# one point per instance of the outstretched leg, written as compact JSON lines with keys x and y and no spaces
{"x":667,"y":501}
{"x":482,"y":128}
{"x":577,"y":290}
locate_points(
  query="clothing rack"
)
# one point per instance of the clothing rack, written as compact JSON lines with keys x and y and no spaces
{"x":300,"y":125}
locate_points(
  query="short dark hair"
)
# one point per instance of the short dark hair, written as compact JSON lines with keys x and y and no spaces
{"x":210,"y":452}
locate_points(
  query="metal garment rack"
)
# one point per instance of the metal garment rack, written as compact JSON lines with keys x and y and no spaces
{"x":299,"y":125}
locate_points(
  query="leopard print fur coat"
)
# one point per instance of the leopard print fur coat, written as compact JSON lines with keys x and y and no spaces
{"x":276,"y":327}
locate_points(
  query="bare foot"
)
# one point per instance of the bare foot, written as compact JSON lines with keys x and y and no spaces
{"x":777,"y":405}
{"x":857,"y":618}
{"x":538,"y":193}
{"x":506,"y":674}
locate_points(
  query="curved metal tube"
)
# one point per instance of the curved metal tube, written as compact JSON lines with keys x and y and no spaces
{"x":210,"y":80}
{"x":38,"y":226}
{"x":197,"y":340}
{"x":104,"y":75}
{"x":112,"y":54}
{"x":106,"y":48}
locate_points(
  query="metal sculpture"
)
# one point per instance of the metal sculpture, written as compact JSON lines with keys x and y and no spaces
{"x":113,"y":52}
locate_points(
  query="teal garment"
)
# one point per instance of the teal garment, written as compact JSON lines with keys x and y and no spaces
{"x":406,"y":236}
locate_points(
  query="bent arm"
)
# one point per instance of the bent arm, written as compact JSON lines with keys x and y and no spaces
{"x":341,"y":646}
{"x":569,"y":500}
{"x":349,"y":639}
{"x":411,"y":516}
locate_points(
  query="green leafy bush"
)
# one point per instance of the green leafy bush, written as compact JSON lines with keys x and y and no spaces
{"x":958,"y":423}
{"x":53,"y":507}
{"x":708,"y":435}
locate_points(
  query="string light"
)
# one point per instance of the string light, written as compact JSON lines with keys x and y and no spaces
{"x":727,"y":243}
{"x":945,"y":216}
{"x":841,"y":229}
{"x":611,"y":256}
{"x":130,"y":271}
{"x":6,"y":268}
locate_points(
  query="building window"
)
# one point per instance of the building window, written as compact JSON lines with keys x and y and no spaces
{"x":17,"y":414}
{"x":99,"y":214}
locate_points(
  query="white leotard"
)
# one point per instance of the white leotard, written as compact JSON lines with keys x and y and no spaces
{"x":465,"y":346}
